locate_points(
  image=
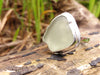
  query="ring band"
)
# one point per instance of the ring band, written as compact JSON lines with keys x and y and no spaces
{"x":55,"y":32}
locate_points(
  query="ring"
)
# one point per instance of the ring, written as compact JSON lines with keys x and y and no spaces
{"x":62,"y":34}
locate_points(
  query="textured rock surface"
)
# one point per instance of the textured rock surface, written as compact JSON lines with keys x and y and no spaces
{"x":39,"y":61}
{"x":80,"y":62}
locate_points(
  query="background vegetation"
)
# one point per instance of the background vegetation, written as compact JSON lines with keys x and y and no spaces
{"x":29,"y":18}
{"x":37,"y":10}
{"x":92,"y":5}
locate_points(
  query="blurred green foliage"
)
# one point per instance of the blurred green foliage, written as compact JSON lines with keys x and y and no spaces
{"x":92,"y":5}
{"x":1,"y":4}
{"x":36,"y":11}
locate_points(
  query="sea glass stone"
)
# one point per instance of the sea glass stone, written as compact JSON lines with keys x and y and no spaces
{"x":58,"y":35}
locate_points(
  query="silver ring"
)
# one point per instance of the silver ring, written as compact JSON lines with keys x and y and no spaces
{"x":62,"y":34}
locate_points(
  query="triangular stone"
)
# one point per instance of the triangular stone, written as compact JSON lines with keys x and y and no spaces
{"x":58,"y":35}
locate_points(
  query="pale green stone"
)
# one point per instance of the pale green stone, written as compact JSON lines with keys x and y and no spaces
{"x":58,"y":35}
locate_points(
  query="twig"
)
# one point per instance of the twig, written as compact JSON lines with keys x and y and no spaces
{"x":3,"y":22}
{"x":24,"y":42}
{"x":11,"y":44}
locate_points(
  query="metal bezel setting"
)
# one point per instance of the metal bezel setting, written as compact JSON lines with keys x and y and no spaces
{"x":74,"y":28}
